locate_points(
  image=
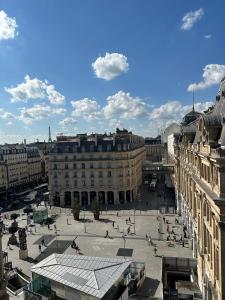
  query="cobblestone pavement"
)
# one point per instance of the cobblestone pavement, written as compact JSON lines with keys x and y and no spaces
{"x":90,"y":237}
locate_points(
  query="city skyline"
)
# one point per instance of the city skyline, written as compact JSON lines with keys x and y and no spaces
{"x":94,"y":66}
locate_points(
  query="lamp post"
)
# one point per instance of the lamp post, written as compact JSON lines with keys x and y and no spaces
{"x":84,"y":222}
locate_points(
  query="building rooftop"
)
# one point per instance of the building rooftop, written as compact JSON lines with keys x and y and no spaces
{"x":88,"y":274}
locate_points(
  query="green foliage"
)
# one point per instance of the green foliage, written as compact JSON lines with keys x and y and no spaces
{"x":28,"y":210}
{"x":48,"y":220}
{"x":13,"y":229}
{"x":95,"y":206}
{"x":14,"y":216}
{"x":75,"y":206}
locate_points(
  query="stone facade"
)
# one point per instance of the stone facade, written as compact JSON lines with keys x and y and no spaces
{"x":154,"y":149}
{"x":103,"y":167}
{"x":19,"y":165}
{"x":200,"y":192}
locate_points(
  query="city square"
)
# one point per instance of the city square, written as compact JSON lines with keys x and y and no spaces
{"x":89,"y":236}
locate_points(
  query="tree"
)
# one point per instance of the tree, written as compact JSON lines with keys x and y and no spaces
{"x":14,"y":216}
{"x":95,"y":207}
{"x":76,"y":209}
{"x":12,"y":230}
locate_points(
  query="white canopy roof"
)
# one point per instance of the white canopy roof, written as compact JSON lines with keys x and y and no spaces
{"x":88,"y":274}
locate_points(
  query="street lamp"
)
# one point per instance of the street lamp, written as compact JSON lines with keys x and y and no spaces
{"x":84,"y":222}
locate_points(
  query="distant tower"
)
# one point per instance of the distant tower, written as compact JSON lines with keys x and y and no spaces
{"x":193,"y":100}
{"x":49,"y":135}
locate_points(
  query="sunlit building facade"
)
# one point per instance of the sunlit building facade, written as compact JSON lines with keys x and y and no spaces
{"x":200,"y":192}
{"x":104,"y":167}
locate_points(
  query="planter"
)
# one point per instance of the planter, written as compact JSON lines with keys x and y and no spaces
{"x":96,"y":215}
{"x":76,"y":216}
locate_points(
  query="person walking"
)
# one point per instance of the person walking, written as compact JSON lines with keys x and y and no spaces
{"x":155,"y":251}
{"x":129,"y":219}
{"x":183,"y":243}
{"x":164,"y":219}
{"x":107,"y":234}
{"x":39,"y":247}
{"x":43,"y":242}
{"x":146,"y":236}
{"x":113,"y":223}
{"x":48,"y":227}
{"x":55,"y":227}
{"x":128,"y":230}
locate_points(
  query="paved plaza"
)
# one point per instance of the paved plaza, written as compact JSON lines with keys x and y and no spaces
{"x":89,"y":235}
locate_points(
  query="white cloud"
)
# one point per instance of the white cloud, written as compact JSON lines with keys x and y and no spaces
{"x":212,"y":74}
{"x":207,"y":36}
{"x":5,"y":115}
{"x":123,"y":105}
{"x":173,"y":111}
{"x":7,"y":27}
{"x":191,"y":18}
{"x":66,"y":122}
{"x":38,"y":112}
{"x":110,"y":66}
{"x":86,"y":108}
{"x":35,"y":89}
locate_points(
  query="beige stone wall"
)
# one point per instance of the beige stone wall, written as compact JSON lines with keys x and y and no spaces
{"x":96,"y":171}
{"x":200,"y":184}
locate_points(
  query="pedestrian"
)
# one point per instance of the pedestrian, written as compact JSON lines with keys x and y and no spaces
{"x":117,"y":214}
{"x":183,"y":243}
{"x":129,"y":219}
{"x":113,"y":223}
{"x":55,"y":227}
{"x":43,"y":242}
{"x":155,"y":251}
{"x":107,"y":234}
{"x":48,"y":227}
{"x":128,"y":230}
{"x":146,"y":236}
{"x":67,"y":222}
{"x":39,"y":247}
{"x":8,"y":245}
{"x":168,"y":237}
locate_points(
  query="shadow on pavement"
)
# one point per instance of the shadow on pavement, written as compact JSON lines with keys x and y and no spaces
{"x":148,"y":288}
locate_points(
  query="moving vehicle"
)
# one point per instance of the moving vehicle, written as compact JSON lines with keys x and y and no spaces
{"x":30,"y":197}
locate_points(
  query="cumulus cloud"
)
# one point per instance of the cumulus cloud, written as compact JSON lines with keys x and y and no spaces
{"x":212,"y":74}
{"x":191,"y":18}
{"x":38,"y":112}
{"x":86,"y":108}
{"x":35,"y":89}
{"x":7,"y":27}
{"x":66,"y":122}
{"x":207,"y":36}
{"x":5,"y":115}
{"x":110,"y":66}
{"x":173,"y":111}
{"x":124,"y":105}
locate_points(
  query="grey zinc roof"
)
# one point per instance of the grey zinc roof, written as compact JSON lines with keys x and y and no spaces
{"x":88,"y":274}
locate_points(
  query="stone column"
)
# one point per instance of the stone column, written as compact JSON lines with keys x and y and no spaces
{"x":62,"y":199}
{"x":89,"y":201}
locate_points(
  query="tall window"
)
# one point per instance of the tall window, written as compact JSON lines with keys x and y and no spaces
{"x":83,"y":165}
{"x":55,"y":167}
{"x":66,"y":166}
{"x":74,"y":166}
{"x":109,"y":174}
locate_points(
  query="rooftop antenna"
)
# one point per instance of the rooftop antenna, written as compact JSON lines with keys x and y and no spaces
{"x":193,"y":100}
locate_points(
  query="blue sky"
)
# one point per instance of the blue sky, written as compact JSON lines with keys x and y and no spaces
{"x":93,"y":65}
